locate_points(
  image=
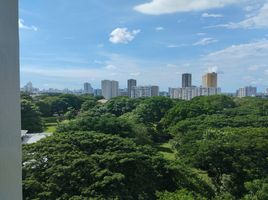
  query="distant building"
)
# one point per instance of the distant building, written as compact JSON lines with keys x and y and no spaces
{"x":186,"y":80}
{"x":163,"y":94}
{"x":30,"y":88}
{"x":88,"y":88}
{"x":154,"y":91}
{"x":210,"y":80}
{"x":144,"y":91}
{"x":109,"y":88}
{"x":97,"y":92}
{"x":247,"y":91}
{"x":123,"y":92}
{"x":130,"y":84}
{"x":188,"y":93}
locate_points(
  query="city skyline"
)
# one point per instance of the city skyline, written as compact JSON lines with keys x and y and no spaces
{"x":111,"y":88}
{"x":150,"y":41}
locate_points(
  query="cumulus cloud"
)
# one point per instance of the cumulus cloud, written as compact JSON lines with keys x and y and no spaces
{"x":122,"y":35}
{"x":259,"y":20}
{"x":211,"y":15}
{"x":205,"y":41}
{"x":213,"y":69}
{"x":158,"y":7}
{"x":110,"y":67}
{"x":135,"y":74}
{"x":25,"y":27}
{"x":256,"y":49}
{"x":159,"y":28}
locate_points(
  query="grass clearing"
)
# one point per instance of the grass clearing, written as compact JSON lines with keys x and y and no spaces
{"x":50,"y":127}
{"x":166,"y":150}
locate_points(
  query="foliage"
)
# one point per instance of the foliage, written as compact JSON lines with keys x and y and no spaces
{"x":218,"y":148}
{"x":153,"y":109}
{"x":83,"y":165}
{"x":121,"y":105}
{"x":30,"y":117}
{"x":231,"y":156}
{"x":179,"y":195}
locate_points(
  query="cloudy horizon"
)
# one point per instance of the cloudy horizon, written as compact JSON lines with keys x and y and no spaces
{"x":67,"y":43}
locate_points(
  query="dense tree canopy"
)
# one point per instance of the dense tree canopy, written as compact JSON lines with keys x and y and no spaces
{"x":30,"y":117}
{"x":150,"y":148}
{"x":95,"y":165}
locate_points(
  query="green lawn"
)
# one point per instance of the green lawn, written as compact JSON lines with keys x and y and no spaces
{"x":166,"y":150}
{"x":50,"y":127}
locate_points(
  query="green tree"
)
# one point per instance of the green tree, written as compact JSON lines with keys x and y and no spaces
{"x":88,"y":165}
{"x":30,"y":117}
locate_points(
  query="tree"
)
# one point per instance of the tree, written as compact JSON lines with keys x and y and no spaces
{"x":30,"y":117}
{"x":90,"y":165}
{"x":230,"y":156}
{"x":153,"y":109}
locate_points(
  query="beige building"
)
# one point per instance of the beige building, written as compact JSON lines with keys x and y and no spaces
{"x":210,"y":80}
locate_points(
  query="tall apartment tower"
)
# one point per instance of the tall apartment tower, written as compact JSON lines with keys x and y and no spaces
{"x":186,"y":80}
{"x":109,"y":88}
{"x":88,"y":88}
{"x":130,"y":84}
{"x":210,"y":80}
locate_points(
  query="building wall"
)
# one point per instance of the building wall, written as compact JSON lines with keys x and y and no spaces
{"x":110,"y":89}
{"x":10,"y":140}
{"x":114,"y":89}
{"x":106,"y":89}
{"x":210,"y":80}
{"x":186,"y":80}
{"x":130,"y":84}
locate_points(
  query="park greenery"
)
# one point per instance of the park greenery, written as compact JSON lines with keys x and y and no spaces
{"x":212,"y":147}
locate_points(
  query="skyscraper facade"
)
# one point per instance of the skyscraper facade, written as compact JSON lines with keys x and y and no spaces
{"x":88,"y":88}
{"x":210,"y":80}
{"x":186,"y":80}
{"x":144,"y":91}
{"x":247,"y":91}
{"x":109,"y":88}
{"x":130,"y":84}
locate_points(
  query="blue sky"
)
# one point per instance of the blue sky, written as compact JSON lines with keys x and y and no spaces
{"x":65,"y":43}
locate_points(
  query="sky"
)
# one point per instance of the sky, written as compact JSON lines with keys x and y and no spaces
{"x":64,"y":43}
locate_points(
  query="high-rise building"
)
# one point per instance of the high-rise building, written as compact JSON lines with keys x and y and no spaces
{"x":97,"y":92}
{"x":154,"y":91}
{"x":210,"y":80}
{"x":88,"y":88}
{"x":186,"y":80}
{"x":144,"y":91}
{"x":188,"y":93}
{"x":109,"y":88}
{"x":123,"y":92}
{"x":247,"y":91}
{"x":130,"y":84}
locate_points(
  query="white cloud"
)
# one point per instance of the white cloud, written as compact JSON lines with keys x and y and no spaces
{"x":176,"y":45}
{"x":110,"y":67}
{"x":122,"y":35}
{"x":25,"y":27}
{"x":212,"y":69}
{"x":210,"y":15}
{"x":243,"y":51}
{"x":159,"y":28}
{"x":257,"y":67}
{"x":158,"y":7}
{"x":171,"y":66}
{"x":205,"y":41}
{"x":135,"y":74}
{"x":259,"y":20}
{"x":201,"y":34}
